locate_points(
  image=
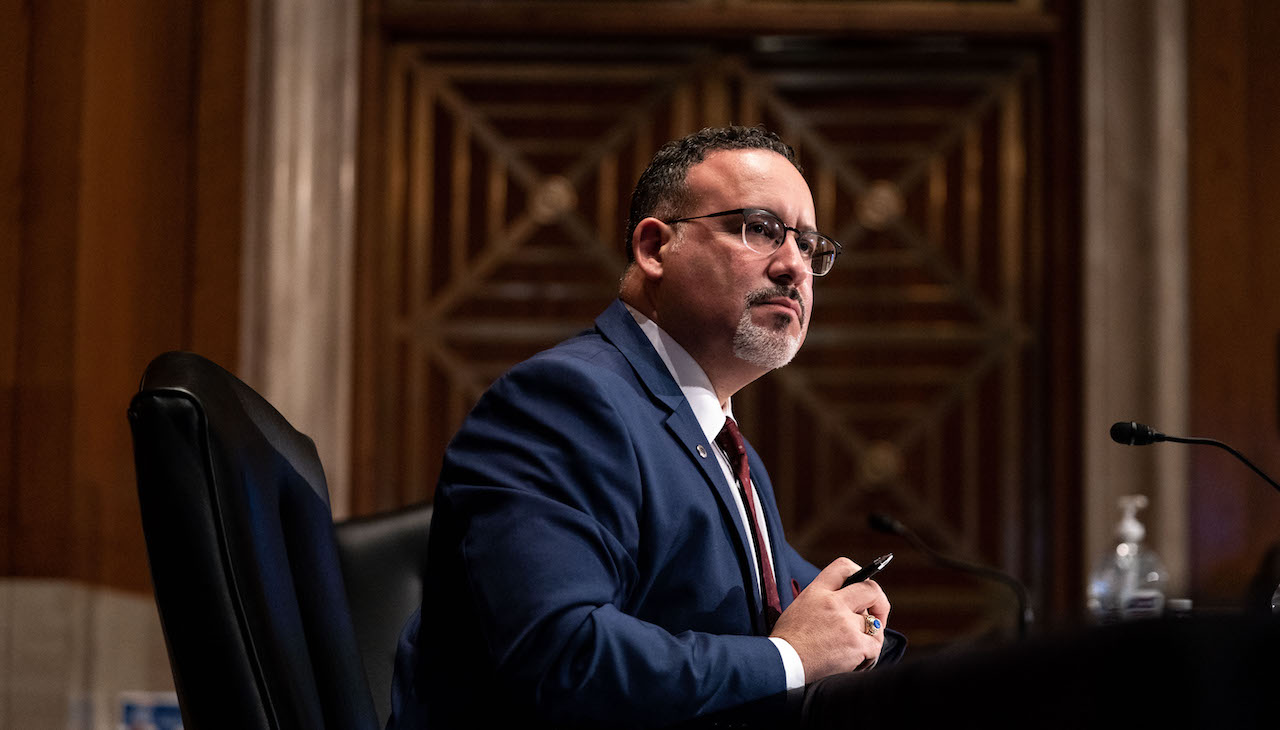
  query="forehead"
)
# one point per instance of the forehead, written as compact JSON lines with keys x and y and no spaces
{"x":751,"y":178}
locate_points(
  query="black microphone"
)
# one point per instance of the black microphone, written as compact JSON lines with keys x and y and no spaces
{"x":1132,"y":433}
{"x":884,"y":523}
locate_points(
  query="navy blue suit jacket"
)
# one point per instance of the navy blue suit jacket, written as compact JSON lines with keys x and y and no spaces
{"x":587,"y":564}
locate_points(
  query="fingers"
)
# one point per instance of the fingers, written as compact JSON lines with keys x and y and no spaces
{"x":868,"y":597}
{"x":833,"y":576}
{"x":827,"y":633}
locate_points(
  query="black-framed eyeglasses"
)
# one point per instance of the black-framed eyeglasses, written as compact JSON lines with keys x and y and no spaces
{"x":764,"y":233}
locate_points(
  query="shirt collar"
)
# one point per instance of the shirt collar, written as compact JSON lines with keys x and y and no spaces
{"x":688,"y":374}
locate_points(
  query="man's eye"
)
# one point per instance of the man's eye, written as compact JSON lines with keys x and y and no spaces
{"x":805,"y":245}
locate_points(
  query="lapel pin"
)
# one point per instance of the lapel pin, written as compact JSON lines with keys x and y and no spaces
{"x":701,"y":451}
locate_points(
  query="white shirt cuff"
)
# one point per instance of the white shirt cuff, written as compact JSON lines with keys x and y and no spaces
{"x":790,"y":662}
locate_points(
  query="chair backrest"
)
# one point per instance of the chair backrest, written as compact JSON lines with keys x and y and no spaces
{"x":384,"y":562}
{"x":240,"y":538}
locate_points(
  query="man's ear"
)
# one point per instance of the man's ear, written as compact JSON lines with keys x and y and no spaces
{"x":647,"y":241}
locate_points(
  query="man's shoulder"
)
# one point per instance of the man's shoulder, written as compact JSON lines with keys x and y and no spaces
{"x":606,"y":366}
{"x":588,"y":354}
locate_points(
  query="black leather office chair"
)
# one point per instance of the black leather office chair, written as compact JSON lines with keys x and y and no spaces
{"x":247,"y":572}
{"x":384,"y":559}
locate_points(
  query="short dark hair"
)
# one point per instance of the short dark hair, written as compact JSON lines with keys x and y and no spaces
{"x":662,"y":189}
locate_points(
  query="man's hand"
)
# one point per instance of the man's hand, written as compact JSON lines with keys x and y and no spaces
{"x":827,"y":624}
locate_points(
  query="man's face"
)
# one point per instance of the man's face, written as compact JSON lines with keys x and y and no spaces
{"x":722,"y":298}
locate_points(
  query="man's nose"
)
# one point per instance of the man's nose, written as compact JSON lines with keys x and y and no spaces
{"x":788,"y":263}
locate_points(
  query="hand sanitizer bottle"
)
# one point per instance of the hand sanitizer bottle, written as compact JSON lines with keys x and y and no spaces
{"x":1129,"y":581}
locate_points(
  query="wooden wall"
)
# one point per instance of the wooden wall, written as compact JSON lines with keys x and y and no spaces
{"x":940,"y":381}
{"x":121,"y":144}
{"x":1234,"y":214}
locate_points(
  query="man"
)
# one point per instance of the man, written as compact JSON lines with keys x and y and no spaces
{"x":599,"y":556}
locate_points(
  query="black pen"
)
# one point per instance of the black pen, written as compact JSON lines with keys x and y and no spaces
{"x":876,"y":566}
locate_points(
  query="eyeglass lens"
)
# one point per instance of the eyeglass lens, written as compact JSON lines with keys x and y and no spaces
{"x":764,"y":233}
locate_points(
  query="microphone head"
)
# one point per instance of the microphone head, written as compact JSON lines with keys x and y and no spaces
{"x":1132,"y":433}
{"x":1122,"y":432}
{"x":881,"y":522}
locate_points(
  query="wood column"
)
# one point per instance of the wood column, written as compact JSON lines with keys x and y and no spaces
{"x":1235,"y":257}
{"x":121,"y":162}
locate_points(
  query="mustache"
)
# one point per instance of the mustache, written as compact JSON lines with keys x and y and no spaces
{"x":760,"y":296}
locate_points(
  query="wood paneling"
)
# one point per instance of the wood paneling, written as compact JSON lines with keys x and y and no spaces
{"x":218,"y":169}
{"x":14,"y":53}
{"x":40,"y":536}
{"x":1235,"y":255}
{"x":502,"y":170}
{"x":706,"y":19}
{"x":126,"y":149}
{"x":1058,"y":450}
{"x":14,"y":32}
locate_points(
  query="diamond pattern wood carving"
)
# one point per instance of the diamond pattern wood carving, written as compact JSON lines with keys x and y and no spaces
{"x":508,"y":173}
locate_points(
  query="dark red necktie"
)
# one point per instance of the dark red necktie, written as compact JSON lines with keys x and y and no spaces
{"x":730,"y":440}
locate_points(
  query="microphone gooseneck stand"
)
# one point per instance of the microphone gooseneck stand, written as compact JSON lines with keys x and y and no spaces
{"x":1132,"y":433}
{"x":1026,"y":616}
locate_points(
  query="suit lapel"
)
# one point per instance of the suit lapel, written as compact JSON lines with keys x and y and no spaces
{"x":686,"y":430}
{"x":619,"y":327}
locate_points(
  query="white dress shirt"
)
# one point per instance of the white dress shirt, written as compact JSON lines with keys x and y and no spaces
{"x":698,"y":390}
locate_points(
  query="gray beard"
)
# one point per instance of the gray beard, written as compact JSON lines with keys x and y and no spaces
{"x":764,"y":347}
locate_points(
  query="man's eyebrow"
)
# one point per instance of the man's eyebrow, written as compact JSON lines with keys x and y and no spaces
{"x":784,"y":221}
{"x":770,"y":211}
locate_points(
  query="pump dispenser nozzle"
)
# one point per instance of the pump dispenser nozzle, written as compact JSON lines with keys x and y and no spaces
{"x":1129,"y":529}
